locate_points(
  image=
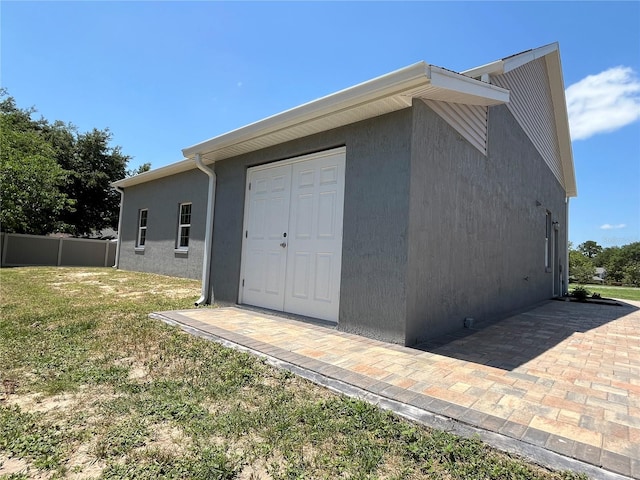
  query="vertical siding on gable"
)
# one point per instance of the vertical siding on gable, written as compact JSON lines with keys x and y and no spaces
{"x":531,"y":105}
{"x":470,"y":121}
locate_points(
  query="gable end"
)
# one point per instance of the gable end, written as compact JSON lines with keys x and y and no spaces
{"x":532,"y":106}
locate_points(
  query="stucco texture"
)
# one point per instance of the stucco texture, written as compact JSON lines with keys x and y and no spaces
{"x":477,"y":224}
{"x":374,"y":248}
{"x":162,"y":199}
{"x":434,"y":231}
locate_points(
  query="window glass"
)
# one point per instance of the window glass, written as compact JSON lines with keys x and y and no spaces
{"x":184,"y":226}
{"x":142,"y":228}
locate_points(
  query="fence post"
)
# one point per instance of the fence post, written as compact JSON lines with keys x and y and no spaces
{"x":60,"y":251}
{"x":106,"y":252}
{"x":5,"y":243}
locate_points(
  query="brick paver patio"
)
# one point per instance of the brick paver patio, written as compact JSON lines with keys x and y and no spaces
{"x":563,"y":376}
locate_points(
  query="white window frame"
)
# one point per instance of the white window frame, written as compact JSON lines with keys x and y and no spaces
{"x":181,"y":226}
{"x":141,"y":237}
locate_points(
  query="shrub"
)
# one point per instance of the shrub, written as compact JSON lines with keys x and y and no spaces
{"x":580,"y":293}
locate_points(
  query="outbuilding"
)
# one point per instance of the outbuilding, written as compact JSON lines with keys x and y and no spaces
{"x":395,"y":209}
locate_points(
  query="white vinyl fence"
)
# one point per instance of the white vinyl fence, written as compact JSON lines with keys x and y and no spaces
{"x":25,"y":250}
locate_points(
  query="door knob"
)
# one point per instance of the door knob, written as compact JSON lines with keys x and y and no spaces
{"x":283,"y":244}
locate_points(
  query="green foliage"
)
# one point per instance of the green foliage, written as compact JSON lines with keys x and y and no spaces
{"x":621,"y":264}
{"x":54,"y":178}
{"x":213,"y":464}
{"x":623,"y":293}
{"x":581,"y":267}
{"x":580,"y":293}
{"x":632,"y":274}
{"x":590,"y":249}
{"x":93,"y":166}
{"x":145,"y":167}
{"x":31,"y":181}
{"x":29,"y":436}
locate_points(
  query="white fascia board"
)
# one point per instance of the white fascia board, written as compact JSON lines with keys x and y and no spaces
{"x":392,"y":84}
{"x":493,"y":68}
{"x":389,"y":84}
{"x":482,"y":93}
{"x":556,"y":84}
{"x":511,"y":63}
{"x":172,"y":169}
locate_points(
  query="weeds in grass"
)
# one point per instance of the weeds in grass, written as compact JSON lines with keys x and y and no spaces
{"x":31,"y":436}
{"x":145,"y":401}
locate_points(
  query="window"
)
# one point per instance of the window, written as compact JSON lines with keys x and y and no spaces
{"x":184,"y":226}
{"x":142,"y":228}
{"x":547,"y":241}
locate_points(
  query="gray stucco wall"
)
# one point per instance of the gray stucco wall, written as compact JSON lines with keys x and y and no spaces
{"x":162,"y":198}
{"x":374,"y":249}
{"x":476,"y":234}
{"x":433,"y":232}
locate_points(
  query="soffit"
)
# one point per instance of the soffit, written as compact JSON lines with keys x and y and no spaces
{"x":377,"y":97}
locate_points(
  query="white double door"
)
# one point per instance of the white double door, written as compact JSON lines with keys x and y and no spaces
{"x":292,"y":242}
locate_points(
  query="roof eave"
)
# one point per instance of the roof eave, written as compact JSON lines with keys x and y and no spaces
{"x":477,"y":92}
{"x":412,"y":75}
{"x":177,"y":167}
{"x":403,"y":85}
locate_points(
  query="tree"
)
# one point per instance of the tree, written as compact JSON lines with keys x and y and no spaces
{"x":590,"y":249}
{"x":30,"y":179}
{"x":145,"y":167}
{"x":93,"y":166}
{"x":70,"y":175}
{"x":632,"y":274}
{"x":621,"y":263}
{"x":580,"y":267}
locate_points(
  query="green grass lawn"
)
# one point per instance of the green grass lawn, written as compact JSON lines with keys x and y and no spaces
{"x":91,"y":388}
{"x":607,"y":291}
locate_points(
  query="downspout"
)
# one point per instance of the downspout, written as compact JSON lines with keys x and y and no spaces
{"x":208,"y":235}
{"x":121,"y":192}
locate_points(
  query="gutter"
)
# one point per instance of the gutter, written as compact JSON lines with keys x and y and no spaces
{"x":117,"y":260}
{"x":208,"y":236}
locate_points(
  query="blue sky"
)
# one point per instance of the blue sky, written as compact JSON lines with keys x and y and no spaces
{"x":166,"y":75}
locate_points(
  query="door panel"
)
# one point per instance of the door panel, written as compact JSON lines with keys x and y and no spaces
{"x":301,"y":270}
{"x":315,"y":245}
{"x":264,"y":258}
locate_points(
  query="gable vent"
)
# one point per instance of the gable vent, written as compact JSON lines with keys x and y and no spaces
{"x":470,"y":121}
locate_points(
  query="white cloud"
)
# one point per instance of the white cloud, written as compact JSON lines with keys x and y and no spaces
{"x":604,"y":102}
{"x":608,"y":226}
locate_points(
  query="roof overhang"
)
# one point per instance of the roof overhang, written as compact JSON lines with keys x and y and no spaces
{"x":551,"y":55}
{"x":381,"y":95}
{"x":172,"y":169}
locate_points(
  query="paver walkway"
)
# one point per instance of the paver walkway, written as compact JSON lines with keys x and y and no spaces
{"x":563,"y":376}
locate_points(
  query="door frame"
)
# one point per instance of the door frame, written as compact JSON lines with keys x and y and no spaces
{"x":245,"y":220}
{"x":556,"y":273}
